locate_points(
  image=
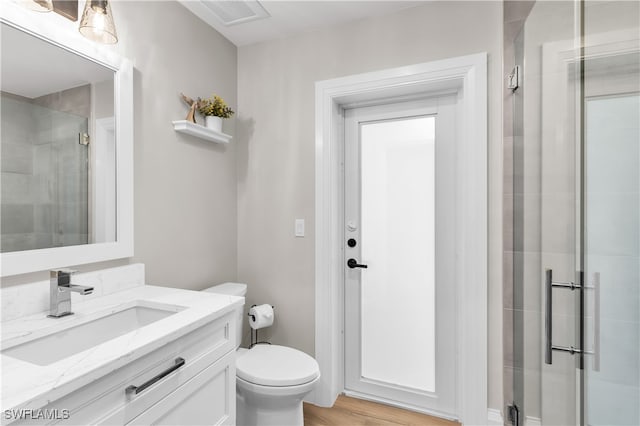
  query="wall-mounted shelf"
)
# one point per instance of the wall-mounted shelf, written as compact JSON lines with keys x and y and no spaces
{"x":184,"y":126}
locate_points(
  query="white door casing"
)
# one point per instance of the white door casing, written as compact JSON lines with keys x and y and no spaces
{"x":467,"y":77}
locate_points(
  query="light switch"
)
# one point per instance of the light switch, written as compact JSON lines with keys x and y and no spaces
{"x":299,"y":227}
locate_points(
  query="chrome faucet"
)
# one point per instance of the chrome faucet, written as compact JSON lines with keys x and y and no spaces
{"x":61,"y":288}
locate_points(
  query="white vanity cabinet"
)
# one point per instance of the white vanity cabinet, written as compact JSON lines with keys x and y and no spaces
{"x":205,"y":399}
{"x":201,"y":391}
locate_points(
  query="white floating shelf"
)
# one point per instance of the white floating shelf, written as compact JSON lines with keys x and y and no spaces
{"x":184,"y":126}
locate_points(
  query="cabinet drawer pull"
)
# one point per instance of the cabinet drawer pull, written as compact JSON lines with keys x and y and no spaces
{"x":134,"y":390}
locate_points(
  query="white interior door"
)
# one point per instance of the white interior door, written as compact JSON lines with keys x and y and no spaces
{"x":400,"y":327}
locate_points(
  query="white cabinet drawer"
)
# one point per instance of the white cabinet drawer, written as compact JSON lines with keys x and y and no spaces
{"x":207,"y":399}
{"x":95,"y":402}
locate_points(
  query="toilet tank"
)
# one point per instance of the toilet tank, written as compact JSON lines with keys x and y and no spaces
{"x":232,"y":289}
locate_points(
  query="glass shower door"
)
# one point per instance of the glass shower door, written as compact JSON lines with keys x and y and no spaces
{"x":546,"y":198}
{"x":611,"y":179}
{"x":576,"y":214}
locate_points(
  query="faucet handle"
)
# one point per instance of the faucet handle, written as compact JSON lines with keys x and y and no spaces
{"x":62,"y":272}
{"x":61,"y":277}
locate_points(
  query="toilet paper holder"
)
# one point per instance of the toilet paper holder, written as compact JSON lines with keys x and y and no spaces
{"x":254,"y":339}
{"x":253,"y":317}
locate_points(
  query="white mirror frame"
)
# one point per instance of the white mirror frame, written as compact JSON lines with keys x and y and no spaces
{"x":66,"y":36}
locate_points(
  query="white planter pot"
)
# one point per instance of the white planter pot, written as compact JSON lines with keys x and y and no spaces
{"x":214,"y":123}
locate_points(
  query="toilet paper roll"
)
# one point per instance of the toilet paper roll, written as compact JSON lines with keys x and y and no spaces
{"x":260,"y":316}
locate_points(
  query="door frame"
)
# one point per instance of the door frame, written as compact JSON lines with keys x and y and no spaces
{"x":467,"y":77}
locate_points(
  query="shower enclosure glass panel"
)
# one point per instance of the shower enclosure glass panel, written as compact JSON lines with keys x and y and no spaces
{"x":612,"y":228}
{"x":576,"y":214}
{"x":45,"y":177}
{"x":611,"y":179}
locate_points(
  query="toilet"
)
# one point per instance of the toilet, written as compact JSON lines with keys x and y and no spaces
{"x":271,"y":380}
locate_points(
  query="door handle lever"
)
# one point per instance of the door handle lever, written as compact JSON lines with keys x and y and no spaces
{"x":352,"y":263}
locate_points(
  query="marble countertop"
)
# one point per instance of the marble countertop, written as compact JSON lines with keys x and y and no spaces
{"x":30,"y":386}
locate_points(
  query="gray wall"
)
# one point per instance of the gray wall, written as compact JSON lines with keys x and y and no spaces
{"x":185,"y":188}
{"x":275,"y":143}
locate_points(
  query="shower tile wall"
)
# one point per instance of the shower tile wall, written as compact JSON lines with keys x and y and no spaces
{"x":515,"y":13}
{"x":17,"y":182}
{"x":44,"y":171}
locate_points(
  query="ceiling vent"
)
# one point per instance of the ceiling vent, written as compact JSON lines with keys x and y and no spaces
{"x":232,"y":12}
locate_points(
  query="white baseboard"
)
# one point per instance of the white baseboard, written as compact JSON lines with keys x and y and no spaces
{"x":532,"y":421}
{"x":494,"y":417}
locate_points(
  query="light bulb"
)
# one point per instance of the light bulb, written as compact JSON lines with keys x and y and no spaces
{"x":97,"y":22}
{"x":39,"y":5}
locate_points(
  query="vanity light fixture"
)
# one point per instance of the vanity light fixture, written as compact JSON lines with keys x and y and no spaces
{"x":40,"y":5}
{"x":97,"y":22}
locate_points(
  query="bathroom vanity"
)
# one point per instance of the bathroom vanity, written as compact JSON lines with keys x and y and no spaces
{"x":137,"y":356}
{"x":130,"y":353}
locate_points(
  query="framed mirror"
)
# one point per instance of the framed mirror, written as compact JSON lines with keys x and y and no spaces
{"x":66,"y":185}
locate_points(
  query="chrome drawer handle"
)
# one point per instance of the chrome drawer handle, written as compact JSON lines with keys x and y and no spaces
{"x":134,"y":390}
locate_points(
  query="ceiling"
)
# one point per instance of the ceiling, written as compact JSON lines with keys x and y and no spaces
{"x":291,"y":17}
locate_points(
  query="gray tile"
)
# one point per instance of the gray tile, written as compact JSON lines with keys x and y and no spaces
{"x":507,"y":337}
{"x":533,"y":277}
{"x":507,"y":280}
{"x":43,"y":218}
{"x":17,"y":219}
{"x":17,"y":242}
{"x":507,"y":382}
{"x":17,"y":157}
{"x":73,"y":218}
{"x":507,"y":222}
{"x":43,"y":240}
{"x":16,"y":188}
{"x":42,"y":161}
{"x":74,"y":239}
{"x":558,"y":222}
{"x":507,"y":154}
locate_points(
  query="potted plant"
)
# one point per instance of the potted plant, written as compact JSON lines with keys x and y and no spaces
{"x":214,"y":110}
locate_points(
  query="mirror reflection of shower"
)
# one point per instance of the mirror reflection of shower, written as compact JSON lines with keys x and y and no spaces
{"x":57,"y":145}
{"x":45,"y":173}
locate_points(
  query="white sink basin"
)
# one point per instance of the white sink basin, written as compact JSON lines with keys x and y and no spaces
{"x":77,"y":338}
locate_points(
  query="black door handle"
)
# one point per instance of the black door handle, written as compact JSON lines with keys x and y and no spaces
{"x":352,"y":263}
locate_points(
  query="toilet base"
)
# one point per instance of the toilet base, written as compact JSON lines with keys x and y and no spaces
{"x":270,"y":406}
{"x":261,"y":416}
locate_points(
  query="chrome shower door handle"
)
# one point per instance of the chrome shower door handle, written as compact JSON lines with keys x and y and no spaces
{"x":596,"y":321}
{"x":549,"y":347}
{"x":548,"y":308}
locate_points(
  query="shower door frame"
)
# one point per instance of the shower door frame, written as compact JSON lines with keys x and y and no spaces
{"x":467,"y":76}
{"x":556,"y":56}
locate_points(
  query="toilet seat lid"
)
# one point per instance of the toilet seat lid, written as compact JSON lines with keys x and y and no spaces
{"x":273,"y":365}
